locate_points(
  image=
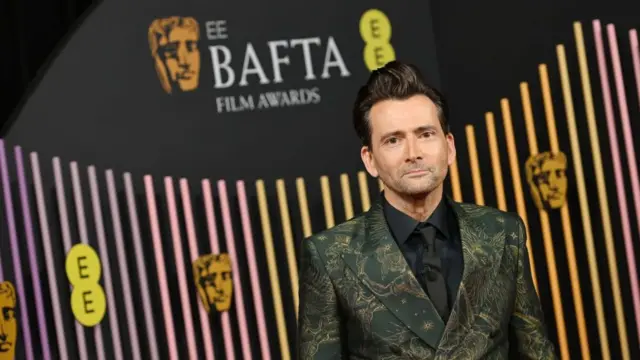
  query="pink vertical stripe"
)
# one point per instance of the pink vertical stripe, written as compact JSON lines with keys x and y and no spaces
{"x":253,"y":270}
{"x":635,"y":54}
{"x":231,"y":247}
{"x":1,"y":272}
{"x":122,"y":265}
{"x":33,"y":260}
{"x":84,"y":238}
{"x":627,"y":131}
{"x":106,"y":264}
{"x":180,"y":269}
{"x":617,"y":169}
{"x":66,"y":239}
{"x":48,"y":256}
{"x":215,"y":249}
{"x":140,"y":266}
{"x":194,"y":252}
{"x":15,"y":253}
{"x":162,"y":273}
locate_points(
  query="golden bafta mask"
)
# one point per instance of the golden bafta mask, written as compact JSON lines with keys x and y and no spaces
{"x":547,"y":178}
{"x":212,"y":274}
{"x":174,"y":48}
{"x":8,"y":322}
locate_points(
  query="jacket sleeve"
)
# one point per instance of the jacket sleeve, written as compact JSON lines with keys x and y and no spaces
{"x":527,"y":319}
{"x":319,"y":322}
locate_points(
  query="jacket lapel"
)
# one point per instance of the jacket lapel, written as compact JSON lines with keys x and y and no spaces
{"x":482,"y":254}
{"x":379,"y":263}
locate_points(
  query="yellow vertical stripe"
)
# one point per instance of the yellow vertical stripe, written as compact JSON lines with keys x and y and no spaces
{"x":273,"y":270}
{"x":517,"y":181}
{"x":304,"y":207}
{"x":584,"y":202}
{"x":475,"y":167}
{"x":326,"y":201}
{"x":456,"y":188}
{"x":288,"y":240}
{"x":364,"y":191}
{"x":546,"y":233}
{"x":566,"y":219}
{"x":495,"y":161}
{"x":346,"y":196}
{"x":603,"y":199}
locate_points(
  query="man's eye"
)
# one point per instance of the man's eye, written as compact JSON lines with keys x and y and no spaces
{"x":392,"y":140}
{"x":428,"y":134}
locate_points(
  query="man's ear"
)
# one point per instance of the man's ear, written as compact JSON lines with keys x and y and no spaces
{"x":368,"y":161}
{"x":451,"y":144}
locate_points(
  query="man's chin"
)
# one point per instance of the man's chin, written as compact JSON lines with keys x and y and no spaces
{"x":417,"y":190}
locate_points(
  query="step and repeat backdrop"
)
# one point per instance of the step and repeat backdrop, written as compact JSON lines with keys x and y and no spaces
{"x":161,"y":173}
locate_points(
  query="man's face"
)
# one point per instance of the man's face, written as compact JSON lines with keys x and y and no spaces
{"x":8,"y":323}
{"x":181,"y":57}
{"x":550,"y":180}
{"x":409,"y":149}
{"x":213,"y":278}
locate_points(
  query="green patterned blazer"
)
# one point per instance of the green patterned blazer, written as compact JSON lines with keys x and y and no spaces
{"x":360,"y":300}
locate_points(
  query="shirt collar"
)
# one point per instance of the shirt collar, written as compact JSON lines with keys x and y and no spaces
{"x":402,"y":225}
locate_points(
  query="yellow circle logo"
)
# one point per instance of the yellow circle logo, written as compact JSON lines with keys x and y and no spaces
{"x":88,"y":301}
{"x":375,"y":30}
{"x":83,"y":265}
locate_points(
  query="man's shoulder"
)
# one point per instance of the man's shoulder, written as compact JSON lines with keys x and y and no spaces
{"x":340,"y":233}
{"x":491,"y":217}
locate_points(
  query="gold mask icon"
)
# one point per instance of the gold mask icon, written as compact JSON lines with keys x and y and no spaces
{"x":547,"y":177}
{"x":8,"y":321}
{"x":213,"y":280}
{"x":174,"y":48}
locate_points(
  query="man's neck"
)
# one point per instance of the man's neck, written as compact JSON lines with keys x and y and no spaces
{"x":419,"y":207}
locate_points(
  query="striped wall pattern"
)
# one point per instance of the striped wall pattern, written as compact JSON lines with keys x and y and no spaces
{"x":148,"y":229}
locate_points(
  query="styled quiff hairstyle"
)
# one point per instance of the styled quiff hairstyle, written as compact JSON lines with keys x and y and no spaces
{"x":398,"y":81}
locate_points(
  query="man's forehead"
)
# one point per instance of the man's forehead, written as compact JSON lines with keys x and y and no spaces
{"x":396,"y":116}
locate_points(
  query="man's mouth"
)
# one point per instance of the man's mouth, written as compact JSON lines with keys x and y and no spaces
{"x":416,"y":172}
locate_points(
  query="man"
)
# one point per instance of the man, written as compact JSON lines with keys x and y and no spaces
{"x":417,"y":276}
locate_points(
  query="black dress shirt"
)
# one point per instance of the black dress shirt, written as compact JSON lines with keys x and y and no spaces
{"x":444,"y":220}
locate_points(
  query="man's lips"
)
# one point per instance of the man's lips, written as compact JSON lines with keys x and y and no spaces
{"x":416,"y":171}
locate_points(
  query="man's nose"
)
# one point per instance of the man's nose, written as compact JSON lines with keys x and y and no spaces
{"x":3,"y":336}
{"x":413,"y":150}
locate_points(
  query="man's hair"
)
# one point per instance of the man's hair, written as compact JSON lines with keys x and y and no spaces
{"x":397,"y":81}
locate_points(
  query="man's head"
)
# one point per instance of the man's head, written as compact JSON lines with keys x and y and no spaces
{"x":212,"y":274}
{"x":402,"y":123}
{"x":8,"y":322}
{"x":174,"y":48}
{"x":547,"y":178}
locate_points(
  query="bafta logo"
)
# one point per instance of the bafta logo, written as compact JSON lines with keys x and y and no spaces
{"x":212,"y":274}
{"x":8,"y":322}
{"x":547,"y":178}
{"x":174,"y":48}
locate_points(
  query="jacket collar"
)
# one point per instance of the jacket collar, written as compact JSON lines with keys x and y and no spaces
{"x":378,"y":261}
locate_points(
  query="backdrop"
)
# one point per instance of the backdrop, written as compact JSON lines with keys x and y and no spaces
{"x":144,"y":102}
{"x":171,"y":93}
